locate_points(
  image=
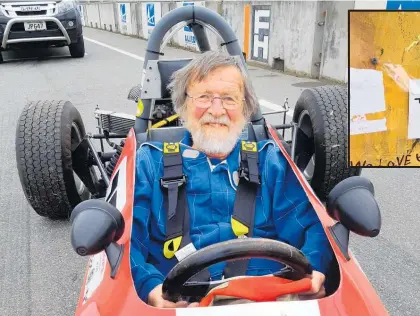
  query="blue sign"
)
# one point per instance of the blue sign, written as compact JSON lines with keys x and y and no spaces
{"x":187,"y":28}
{"x":150,"y":9}
{"x":403,"y":5}
{"x":123,"y":13}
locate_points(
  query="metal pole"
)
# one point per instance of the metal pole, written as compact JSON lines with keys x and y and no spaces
{"x":201,"y":36}
{"x":294,"y":133}
{"x":98,"y":160}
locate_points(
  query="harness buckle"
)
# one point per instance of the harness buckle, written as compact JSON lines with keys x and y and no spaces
{"x":244,"y":173}
{"x":164,"y":183}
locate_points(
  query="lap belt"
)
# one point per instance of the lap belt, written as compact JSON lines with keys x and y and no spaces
{"x":173,"y":185}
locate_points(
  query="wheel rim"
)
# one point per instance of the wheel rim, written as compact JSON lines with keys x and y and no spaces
{"x":305,"y":146}
{"x":76,"y":138}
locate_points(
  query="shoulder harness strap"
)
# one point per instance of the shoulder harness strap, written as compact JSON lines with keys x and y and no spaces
{"x":249,"y":181}
{"x":242,"y":220}
{"x":173,"y":185}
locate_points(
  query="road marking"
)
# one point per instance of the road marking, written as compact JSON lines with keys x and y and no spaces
{"x":269,"y":105}
{"x":115,"y":49}
{"x":265,"y":103}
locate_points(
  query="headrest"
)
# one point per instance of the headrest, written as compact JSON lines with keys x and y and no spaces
{"x":166,"y":134}
{"x":166,"y":69}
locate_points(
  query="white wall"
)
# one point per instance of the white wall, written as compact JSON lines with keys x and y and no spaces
{"x":370,"y":4}
{"x":107,"y":18}
{"x":335,"y":44}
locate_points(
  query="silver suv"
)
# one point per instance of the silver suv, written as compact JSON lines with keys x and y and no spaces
{"x":38,"y":23}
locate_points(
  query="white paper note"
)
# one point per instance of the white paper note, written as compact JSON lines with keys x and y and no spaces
{"x":366,"y":127}
{"x":367,"y":93}
{"x":414,"y":109}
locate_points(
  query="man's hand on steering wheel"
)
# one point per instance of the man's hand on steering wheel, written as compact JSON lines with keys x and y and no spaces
{"x":317,"y":290}
{"x":156,"y":299}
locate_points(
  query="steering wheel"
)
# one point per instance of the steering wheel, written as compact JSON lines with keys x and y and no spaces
{"x":177,"y":285}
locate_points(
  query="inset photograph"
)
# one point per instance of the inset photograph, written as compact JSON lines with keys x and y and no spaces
{"x":384,"y":88}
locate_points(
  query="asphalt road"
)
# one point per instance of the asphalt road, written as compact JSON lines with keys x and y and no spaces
{"x":39,"y":272}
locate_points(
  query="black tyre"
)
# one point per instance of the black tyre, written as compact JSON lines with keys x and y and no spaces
{"x":1,"y":58}
{"x":77,"y":50}
{"x":321,"y":149}
{"x":46,"y":136}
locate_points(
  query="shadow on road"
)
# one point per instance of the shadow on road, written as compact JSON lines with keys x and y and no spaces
{"x":40,"y":54}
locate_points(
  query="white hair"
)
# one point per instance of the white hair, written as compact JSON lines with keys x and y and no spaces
{"x":198,"y":69}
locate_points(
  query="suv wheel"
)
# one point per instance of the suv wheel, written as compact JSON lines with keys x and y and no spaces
{"x":77,"y":50}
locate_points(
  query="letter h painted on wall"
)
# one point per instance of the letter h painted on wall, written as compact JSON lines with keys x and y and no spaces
{"x":260,"y":32}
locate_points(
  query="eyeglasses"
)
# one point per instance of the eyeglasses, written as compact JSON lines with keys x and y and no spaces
{"x":206,"y":100}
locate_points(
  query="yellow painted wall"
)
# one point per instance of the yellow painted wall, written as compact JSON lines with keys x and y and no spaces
{"x":392,"y":38}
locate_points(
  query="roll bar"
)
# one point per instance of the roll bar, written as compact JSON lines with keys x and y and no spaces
{"x":195,"y":17}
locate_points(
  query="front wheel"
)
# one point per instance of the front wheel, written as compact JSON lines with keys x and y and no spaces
{"x":321,"y":145}
{"x":77,"y":50}
{"x":47,"y":134}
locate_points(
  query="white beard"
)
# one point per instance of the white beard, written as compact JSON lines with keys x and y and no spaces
{"x":215,"y":141}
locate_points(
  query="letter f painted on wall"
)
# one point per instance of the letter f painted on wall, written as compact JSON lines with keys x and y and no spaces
{"x":261,"y":34}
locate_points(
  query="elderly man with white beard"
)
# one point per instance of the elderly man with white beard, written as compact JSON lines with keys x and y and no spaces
{"x":214,"y":97}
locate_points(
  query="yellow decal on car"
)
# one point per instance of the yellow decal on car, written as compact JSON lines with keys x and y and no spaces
{"x":171,"y":246}
{"x":140,"y":108}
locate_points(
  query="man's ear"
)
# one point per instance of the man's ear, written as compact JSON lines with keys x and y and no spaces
{"x":183,"y":114}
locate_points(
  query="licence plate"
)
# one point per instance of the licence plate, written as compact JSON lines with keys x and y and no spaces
{"x":35,"y":26}
{"x":30,"y":8}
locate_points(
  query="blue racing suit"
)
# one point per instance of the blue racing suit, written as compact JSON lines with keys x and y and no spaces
{"x":283,"y":211}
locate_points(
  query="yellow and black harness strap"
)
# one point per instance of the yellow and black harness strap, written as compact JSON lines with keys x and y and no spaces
{"x":242,"y":220}
{"x":173,"y":185}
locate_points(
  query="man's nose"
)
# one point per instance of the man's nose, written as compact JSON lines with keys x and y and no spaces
{"x":216,"y":107}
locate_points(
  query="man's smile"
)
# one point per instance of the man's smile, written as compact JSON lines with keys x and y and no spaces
{"x":216,"y":124}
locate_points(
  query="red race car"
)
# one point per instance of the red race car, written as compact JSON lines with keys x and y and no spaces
{"x":101,"y":207}
{"x":102,"y":229}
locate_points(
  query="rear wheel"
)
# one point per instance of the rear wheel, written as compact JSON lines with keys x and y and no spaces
{"x":47,"y":134}
{"x":321,"y":115}
{"x":77,"y":50}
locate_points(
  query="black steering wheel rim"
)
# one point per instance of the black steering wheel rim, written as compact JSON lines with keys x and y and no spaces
{"x":176,"y":285}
